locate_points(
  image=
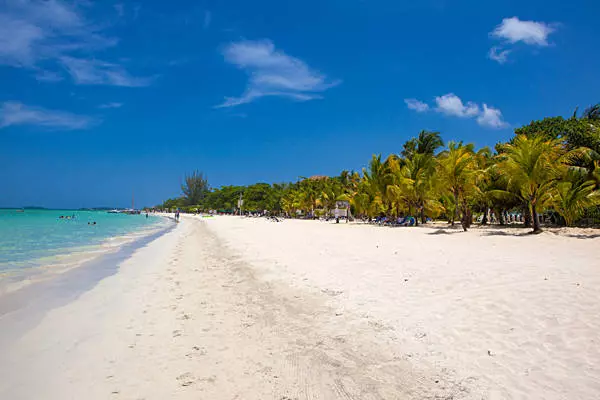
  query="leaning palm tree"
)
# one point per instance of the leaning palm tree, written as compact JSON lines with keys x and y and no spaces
{"x":533,"y":165}
{"x":573,"y":195}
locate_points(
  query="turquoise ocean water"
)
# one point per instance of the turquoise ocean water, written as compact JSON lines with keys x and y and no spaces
{"x":34,"y":238}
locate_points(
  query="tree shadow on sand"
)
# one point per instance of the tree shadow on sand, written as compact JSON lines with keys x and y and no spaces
{"x":446,"y":231}
{"x":582,"y":235}
{"x":504,"y":233}
{"x":509,"y":230}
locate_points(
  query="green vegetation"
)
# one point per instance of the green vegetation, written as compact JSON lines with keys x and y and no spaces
{"x":549,"y":167}
{"x":195,"y":188}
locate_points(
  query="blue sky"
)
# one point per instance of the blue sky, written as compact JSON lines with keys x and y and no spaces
{"x":100,"y":99}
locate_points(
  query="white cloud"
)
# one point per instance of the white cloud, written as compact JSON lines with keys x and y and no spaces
{"x":451,"y":104}
{"x":273,"y":73}
{"x":416,"y":105}
{"x":15,"y":113}
{"x":41,"y":33}
{"x":111,"y":105}
{"x":514,"y":30}
{"x":499,"y":55}
{"x":491,"y":117}
{"x":95,"y":72}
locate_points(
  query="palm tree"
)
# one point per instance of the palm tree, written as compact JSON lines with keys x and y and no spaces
{"x":592,"y":112}
{"x":458,"y":173}
{"x":426,"y":143}
{"x":330,"y":191}
{"x":532,"y":166}
{"x":376,"y":179}
{"x":413,"y":183}
{"x":573,"y":195}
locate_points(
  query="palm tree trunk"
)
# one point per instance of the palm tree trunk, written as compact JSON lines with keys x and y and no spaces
{"x":536,"y":221}
{"x":484,"y":219}
{"x":423,"y":220}
{"x":499,"y":216}
{"x":466,"y":218}
{"x":527,"y":217}
{"x":454,"y":215}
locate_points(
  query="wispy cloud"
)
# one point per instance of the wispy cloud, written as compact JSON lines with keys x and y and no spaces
{"x":207,"y":19}
{"x":452,"y":105}
{"x":40,"y":34}
{"x":120,"y":10}
{"x":416,"y":105}
{"x":34,"y":31}
{"x":111,"y":105}
{"x":15,"y":113}
{"x":95,"y":72}
{"x":498,"y":55}
{"x":48,"y":76}
{"x":273,"y":73}
{"x":512,"y":30}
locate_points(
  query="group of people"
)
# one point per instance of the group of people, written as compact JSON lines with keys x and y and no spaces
{"x":71,"y":217}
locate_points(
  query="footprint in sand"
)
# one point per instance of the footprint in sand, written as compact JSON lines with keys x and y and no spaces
{"x":196,"y":351}
{"x":186,"y":379}
{"x":176,"y":333}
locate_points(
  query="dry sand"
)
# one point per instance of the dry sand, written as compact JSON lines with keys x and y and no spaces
{"x":233,"y":308}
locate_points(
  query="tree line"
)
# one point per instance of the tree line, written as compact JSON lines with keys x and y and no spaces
{"x":549,"y":166}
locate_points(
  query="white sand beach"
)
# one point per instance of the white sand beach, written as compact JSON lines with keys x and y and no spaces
{"x":243,"y":308}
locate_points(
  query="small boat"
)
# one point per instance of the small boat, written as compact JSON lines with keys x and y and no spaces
{"x":129,"y":211}
{"x":132,"y":211}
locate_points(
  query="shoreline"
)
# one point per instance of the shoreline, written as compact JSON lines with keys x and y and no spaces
{"x":228,"y":307}
{"x":26,"y":301}
{"x":66,"y":259}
